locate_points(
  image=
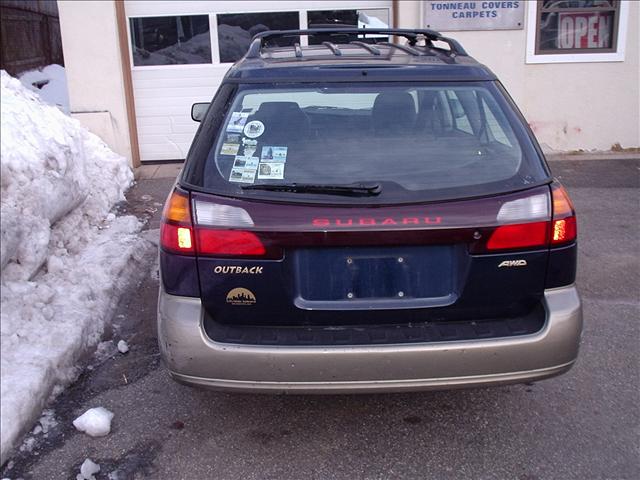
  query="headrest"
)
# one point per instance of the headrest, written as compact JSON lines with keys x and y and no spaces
{"x":393,"y":112}
{"x":284,"y":120}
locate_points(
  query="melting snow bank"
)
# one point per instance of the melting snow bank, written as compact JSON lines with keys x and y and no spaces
{"x":64,"y":258}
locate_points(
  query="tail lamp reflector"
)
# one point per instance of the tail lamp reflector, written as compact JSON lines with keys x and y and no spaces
{"x":229,"y":242}
{"x":522,"y":235}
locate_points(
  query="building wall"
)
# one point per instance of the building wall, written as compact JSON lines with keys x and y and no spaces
{"x":570,"y":106}
{"x":94,"y":70}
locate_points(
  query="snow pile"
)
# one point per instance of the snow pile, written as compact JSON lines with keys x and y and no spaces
{"x":63,"y":260}
{"x":50,"y":83}
{"x":95,"y":422}
{"x":87,"y":469}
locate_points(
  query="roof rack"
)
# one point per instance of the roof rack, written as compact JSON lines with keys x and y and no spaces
{"x":260,"y":40}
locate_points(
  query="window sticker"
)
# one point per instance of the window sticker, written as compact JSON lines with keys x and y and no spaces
{"x":244,"y":169}
{"x":254,"y":129}
{"x":229,"y":149}
{"x":271,"y":170}
{"x":231,"y":144}
{"x":242,"y":175}
{"x":246,"y":162}
{"x":273,"y":154}
{"x":249,"y":147}
{"x":238,"y":119}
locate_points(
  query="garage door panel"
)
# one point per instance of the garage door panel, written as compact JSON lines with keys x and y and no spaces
{"x":155,"y":81}
{"x":161,"y":110}
{"x":180,"y":72}
{"x":174,"y":137}
{"x":175,"y":94}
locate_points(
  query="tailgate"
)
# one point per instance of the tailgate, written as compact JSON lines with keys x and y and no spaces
{"x":369,"y":266}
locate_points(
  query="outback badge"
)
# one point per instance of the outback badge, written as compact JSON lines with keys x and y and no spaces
{"x":513,"y":263}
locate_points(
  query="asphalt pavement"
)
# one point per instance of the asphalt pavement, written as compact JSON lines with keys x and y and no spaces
{"x":582,"y":425}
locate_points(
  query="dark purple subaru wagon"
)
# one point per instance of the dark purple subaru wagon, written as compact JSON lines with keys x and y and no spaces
{"x":357,"y":215}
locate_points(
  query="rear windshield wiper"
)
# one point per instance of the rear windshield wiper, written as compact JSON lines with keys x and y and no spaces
{"x":351,"y":189}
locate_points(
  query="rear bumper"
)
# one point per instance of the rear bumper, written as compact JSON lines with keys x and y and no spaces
{"x":194,"y":359}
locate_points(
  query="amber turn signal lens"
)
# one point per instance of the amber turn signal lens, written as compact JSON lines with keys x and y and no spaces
{"x":562,"y":206}
{"x":177,"y":208}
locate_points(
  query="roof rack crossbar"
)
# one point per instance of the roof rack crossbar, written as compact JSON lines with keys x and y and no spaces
{"x":333,"y":47}
{"x":412,"y":36}
{"x":297,"y":49}
{"x":404,"y":48}
{"x":371,"y":49}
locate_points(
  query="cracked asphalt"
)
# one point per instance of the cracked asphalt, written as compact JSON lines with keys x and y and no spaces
{"x":582,"y":425}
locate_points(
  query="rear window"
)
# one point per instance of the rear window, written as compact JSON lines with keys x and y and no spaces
{"x":418,"y":142}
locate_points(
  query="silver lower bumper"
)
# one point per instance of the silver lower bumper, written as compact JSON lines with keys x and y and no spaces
{"x":194,"y":359}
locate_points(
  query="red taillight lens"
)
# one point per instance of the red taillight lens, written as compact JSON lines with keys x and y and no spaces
{"x":523,"y":235}
{"x":229,"y":242}
{"x":563,"y":226}
{"x":176,"y":232}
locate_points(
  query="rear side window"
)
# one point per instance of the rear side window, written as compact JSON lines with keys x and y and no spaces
{"x":419,"y":142}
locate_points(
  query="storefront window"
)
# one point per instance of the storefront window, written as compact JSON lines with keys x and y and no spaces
{"x":235,"y":31}
{"x":577,"y":26}
{"x":367,"y":18}
{"x":170,"y":40}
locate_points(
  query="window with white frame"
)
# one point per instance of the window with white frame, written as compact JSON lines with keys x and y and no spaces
{"x":235,"y":31}
{"x":170,"y":40}
{"x":576,"y":30}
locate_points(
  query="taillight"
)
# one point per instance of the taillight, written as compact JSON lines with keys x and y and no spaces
{"x":531,"y":222}
{"x":526,"y":224}
{"x":216,"y":230}
{"x":176,"y":229}
{"x":563,"y":226}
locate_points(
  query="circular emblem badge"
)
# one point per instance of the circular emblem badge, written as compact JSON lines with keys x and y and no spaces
{"x":241,"y":296}
{"x":254,"y":129}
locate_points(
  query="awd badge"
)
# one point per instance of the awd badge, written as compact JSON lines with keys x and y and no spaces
{"x":513,"y":263}
{"x":241,"y":296}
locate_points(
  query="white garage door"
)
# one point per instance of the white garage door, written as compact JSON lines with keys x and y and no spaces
{"x":181,"y":50}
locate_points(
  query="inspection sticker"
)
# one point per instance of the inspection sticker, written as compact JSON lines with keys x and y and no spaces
{"x":238,"y":119}
{"x":273,"y":154}
{"x":271,"y":170}
{"x":254,"y":129}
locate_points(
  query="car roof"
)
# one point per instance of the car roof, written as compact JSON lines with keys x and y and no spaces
{"x":342,"y":60}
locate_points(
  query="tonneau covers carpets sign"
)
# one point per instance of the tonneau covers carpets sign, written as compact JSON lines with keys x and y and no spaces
{"x":484,"y":15}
